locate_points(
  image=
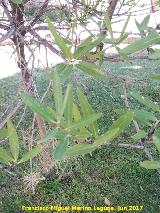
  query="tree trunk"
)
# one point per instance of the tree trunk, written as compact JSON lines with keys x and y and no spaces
{"x":18,"y":39}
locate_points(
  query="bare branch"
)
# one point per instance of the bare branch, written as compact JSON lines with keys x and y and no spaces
{"x":46,"y":43}
{"x":39,"y":14}
{"x":8,"y":34}
{"x":10,"y":114}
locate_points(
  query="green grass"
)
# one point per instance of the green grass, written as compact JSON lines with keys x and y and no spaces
{"x":110,"y":172}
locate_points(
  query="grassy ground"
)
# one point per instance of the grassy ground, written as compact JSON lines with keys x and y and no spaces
{"x":110,"y":172}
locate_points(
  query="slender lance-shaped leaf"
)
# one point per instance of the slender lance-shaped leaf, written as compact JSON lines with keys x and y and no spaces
{"x":91,"y":69}
{"x":108,"y":25}
{"x":138,"y":26}
{"x":144,"y":116}
{"x":145,"y":22}
{"x":5,"y":157}
{"x":76,"y":113}
{"x":66,"y":73}
{"x":45,"y":112}
{"x":79,"y":149}
{"x":85,"y":121}
{"x":108,"y":136}
{"x":155,"y":77}
{"x":146,"y":101}
{"x":123,"y":121}
{"x":153,"y":164}
{"x":58,"y":97}
{"x":141,"y":116}
{"x":121,"y":39}
{"x":83,"y":133}
{"x":31,"y":154}
{"x":63,"y":69}
{"x":85,"y":42}
{"x":50,"y":135}
{"x":143,"y":25}
{"x":83,"y":50}
{"x":156,"y":141}
{"x":61,"y":149}
{"x":140,"y":44}
{"x":59,"y":40}
{"x":86,"y":110}
{"x":125,"y":26}
{"x":140,"y":134}
{"x":17,"y":1}
{"x":59,"y":67}
{"x":123,"y":35}
{"x":74,"y":25}
{"x":13,"y":140}
{"x":3,"y":133}
{"x":68,"y":104}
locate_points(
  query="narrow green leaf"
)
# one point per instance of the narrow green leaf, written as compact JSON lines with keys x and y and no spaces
{"x":3,"y":133}
{"x":91,"y":69}
{"x":123,"y":121}
{"x":123,"y":35}
{"x":68,"y":104}
{"x":138,"y":26}
{"x":45,"y":112}
{"x":13,"y":140}
{"x":87,"y":110}
{"x":155,"y":77}
{"x":108,"y":136}
{"x":85,"y":121}
{"x":79,"y":149}
{"x":84,"y":50}
{"x":144,"y":117}
{"x":74,"y":25}
{"x":140,"y":44}
{"x":50,"y":135}
{"x":61,"y":149}
{"x":156,"y":141}
{"x":31,"y":154}
{"x":76,"y":113}
{"x":101,"y":55}
{"x":107,"y":22}
{"x":59,"y":68}
{"x":67,"y":72}
{"x":145,"y":22}
{"x":17,"y":1}
{"x":64,"y":70}
{"x":145,"y":101}
{"x":153,"y":164}
{"x":83,"y":133}
{"x":121,"y":39}
{"x":141,"y":116}
{"x":85,"y":42}
{"x":140,"y":134}
{"x":5,"y":157}
{"x":59,"y":40}
{"x":67,"y":41}
{"x":57,"y":89}
{"x":125,"y":26}
{"x":143,"y":25}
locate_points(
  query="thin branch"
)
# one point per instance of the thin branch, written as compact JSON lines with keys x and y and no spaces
{"x":11,"y":114}
{"x":8,"y":34}
{"x":46,"y":43}
{"x":38,"y":14}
